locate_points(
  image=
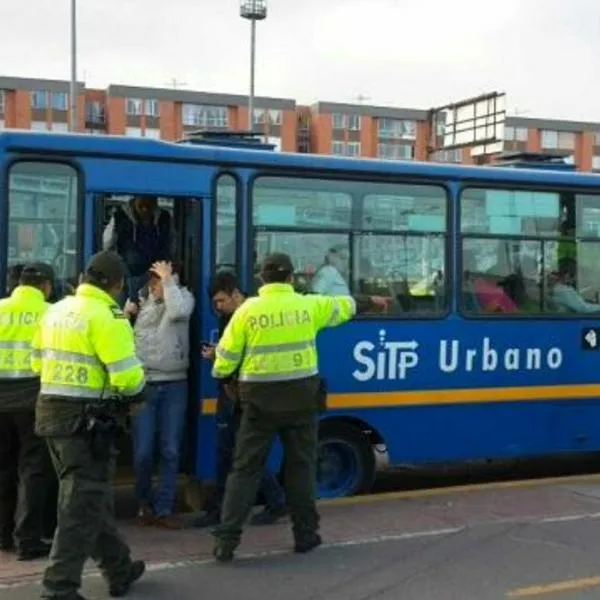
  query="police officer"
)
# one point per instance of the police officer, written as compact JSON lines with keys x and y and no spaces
{"x":23,"y":455}
{"x":272,"y":338}
{"x":84,"y":351}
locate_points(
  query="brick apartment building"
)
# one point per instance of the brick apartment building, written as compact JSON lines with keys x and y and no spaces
{"x":324,"y":128}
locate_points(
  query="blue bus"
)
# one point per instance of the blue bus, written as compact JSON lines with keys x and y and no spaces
{"x":489,"y":348}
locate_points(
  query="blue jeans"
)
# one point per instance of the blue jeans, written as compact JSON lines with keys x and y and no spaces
{"x":164,"y":416}
{"x":228,"y":421}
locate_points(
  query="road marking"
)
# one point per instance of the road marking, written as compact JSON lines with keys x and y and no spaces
{"x":460,"y":489}
{"x":569,"y":585}
{"x":171,"y":565}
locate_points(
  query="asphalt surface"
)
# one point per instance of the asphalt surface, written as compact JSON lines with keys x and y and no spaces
{"x":476,"y":562}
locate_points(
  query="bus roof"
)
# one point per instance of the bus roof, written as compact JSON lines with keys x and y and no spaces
{"x":74,"y":145}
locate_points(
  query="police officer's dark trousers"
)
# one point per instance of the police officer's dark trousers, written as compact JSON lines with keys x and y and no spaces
{"x":288,"y":410}
{"x":25,"y":474}
{"x":86,"y":521}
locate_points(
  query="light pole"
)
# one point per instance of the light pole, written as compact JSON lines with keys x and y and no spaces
{"x":253,"y":10}
{"x":73,"y":86}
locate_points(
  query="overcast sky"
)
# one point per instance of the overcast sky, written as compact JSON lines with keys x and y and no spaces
{"x":409,"y":53}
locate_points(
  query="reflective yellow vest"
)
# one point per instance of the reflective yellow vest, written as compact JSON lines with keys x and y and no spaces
{"x":19,"y":317}
{"x":84,"y":349}
{"x":272,"y":337}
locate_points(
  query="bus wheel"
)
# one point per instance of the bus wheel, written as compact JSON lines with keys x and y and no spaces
{"x":346,"y":462}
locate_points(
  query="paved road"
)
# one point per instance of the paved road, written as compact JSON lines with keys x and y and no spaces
{"x":486,"y":562}
{"x":479,"y":545}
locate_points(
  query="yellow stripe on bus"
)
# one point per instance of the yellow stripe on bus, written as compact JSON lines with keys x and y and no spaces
{"x":454,"y":396}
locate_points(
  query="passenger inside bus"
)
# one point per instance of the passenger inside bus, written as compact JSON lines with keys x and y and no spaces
{"x":563,"y":293}
{"x":142,"y":233}
{"x":331,"y":278}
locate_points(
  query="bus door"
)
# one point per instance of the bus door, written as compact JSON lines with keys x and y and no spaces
{"x":184,"y":191}
{"x":225,"y":220}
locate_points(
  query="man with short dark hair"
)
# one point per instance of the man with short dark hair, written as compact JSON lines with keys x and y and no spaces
{"x":224,"y":292}
{"x":25,"y":469}
{"x":14,"y":275}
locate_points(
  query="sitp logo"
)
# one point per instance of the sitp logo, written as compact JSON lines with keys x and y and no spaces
{"x":590,"y":338}
{"x":384,"y":360}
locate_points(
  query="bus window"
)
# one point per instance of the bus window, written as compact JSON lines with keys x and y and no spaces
{"x":349,"y":237}
{"x":530,"y":252}
{"x":401,"y":250}
{"x":43,"y":211}
{"x":226,"y":223}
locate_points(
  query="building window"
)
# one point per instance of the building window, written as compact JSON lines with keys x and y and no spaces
{"x":2,"y":101}
{"x":357,"y":237}
{"x":133,"y":132}
{"x":597,"y":138}
{"x":396,"y":151}
{"x":338,"y":121}
{"x":152,"y":108}
{"x":39,"y":100}
{"x":198,"y":115}
{"x":134,"y":107}
{"x":345,"y":148}
{"x":39,"y":126}
{"x":341,"y":121}
{"x":354,"y":122}
{"x":557,"y":140}
{"x":60,"y":101}
{"x":515,"y":134}
{"x":94,"y":113}
{"x":152,"y":132}
{"x":596,"y":163}
{"x":453,"y":155}
{"x":264,"y":115}
{"x":2,"y":124}
{"x":60,"y":127}
{"x":397,"y":129}
{"x":338,"y":148}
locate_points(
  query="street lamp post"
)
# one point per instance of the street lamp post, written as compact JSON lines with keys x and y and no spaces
{"x":253,"y":10}
{"x":73,"y":86}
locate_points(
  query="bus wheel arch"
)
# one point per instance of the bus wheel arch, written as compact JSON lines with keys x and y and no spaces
{"x":348,"y":457}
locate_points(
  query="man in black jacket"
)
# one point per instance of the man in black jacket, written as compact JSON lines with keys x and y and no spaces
{"x":226,"y":297}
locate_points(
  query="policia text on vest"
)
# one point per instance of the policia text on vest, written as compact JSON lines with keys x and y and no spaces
{"x":272,"y":340}
{"x":26,"y":474}
{"x":84,"y":352}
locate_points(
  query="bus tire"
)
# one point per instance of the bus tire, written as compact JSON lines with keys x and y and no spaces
{"x":346,"y":462}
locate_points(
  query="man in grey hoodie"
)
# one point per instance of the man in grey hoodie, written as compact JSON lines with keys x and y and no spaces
{"x":162,"y":344}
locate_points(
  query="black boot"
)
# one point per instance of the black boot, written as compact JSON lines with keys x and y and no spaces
{"x":136,"y":570}
{"x":307,"y":544}
{"x":33,"y":551}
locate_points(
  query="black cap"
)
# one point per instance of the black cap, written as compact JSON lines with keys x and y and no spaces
{"x":277,"y":263}
{"x":107,"y":268}
{"x":42,"y":271}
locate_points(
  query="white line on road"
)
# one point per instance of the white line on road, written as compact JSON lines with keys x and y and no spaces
{"x":169,"y":566}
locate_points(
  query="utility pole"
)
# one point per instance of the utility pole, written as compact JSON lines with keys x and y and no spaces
{"x":73,"y":87}
{"x":253,"y":10}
